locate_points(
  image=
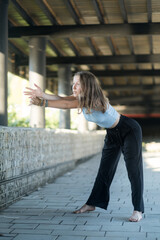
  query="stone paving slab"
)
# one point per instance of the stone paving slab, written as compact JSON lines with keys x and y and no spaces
{"x":106,"y":238}
{"x":46,"y":214}
{"x":34,"y":237}
{"x":71,"y":238}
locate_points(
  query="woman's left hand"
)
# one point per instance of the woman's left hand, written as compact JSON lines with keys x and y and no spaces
{"x":34,"y":92}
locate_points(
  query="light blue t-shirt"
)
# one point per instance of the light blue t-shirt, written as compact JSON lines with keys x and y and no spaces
{"x":104,"y":120}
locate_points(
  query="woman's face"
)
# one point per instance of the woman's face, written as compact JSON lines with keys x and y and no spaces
{"x":76,"y":87}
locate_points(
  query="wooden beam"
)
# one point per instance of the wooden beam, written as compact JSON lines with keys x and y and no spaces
{"x":149,"y":10}
{"x":138,"y":111}
{"x":72,"y":11}
{"x":54,"y":48}
{"x":72,"y":46}
{"x":117,"y":73}
{"x":107,"y":60}
{"x":86,"y":30}
{"x":15,"y":50}
{"x":130,"y":43}
{"x":98,"y":11}
{"x":23,"y":13}
{"x":135,"y":100}
{"x":92,"y":45}
{"x":123,"y":10}
{"x":145,"y":89}
{"x":45,"y":9}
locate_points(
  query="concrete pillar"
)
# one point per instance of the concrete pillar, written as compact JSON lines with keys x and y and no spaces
{"x":37,"y":72}
{"x":82,"y":123}
{"x":92,"y":126}
{"x":64,"y":88}
{"x":3,"y":61}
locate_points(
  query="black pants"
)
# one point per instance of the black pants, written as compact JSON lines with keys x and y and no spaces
{"x":125,"y":138}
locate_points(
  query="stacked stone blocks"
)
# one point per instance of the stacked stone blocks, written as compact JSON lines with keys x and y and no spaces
{"x":29,"y":158}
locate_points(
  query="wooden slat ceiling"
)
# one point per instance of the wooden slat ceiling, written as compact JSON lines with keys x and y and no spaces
{"x":127,"y":62}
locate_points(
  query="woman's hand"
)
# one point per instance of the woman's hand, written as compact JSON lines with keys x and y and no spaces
{"x":35,"y":101}
{"x":33,"y":93}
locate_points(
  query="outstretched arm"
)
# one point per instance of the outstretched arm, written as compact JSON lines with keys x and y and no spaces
{"x":56,"y":97}
{"x":63,"y":104}
{"x":37,"y":92}
{"x":60,"y":103}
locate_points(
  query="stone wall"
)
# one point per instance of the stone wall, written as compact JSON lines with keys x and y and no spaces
{"x":29,"y":158}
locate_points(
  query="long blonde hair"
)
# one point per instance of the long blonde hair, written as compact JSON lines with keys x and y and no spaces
{"x":91,"y":96}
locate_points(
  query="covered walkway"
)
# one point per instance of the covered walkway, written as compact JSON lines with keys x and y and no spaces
{"x":47,"y":213}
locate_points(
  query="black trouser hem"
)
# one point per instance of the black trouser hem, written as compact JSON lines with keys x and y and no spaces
{"x":100,"y":205}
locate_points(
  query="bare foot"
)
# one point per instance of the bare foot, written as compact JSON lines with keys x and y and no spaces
{"x":136,"y":216}
{"x":85,"y":208}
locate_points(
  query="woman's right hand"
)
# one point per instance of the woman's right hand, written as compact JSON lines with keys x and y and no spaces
{"x":33,"y":93}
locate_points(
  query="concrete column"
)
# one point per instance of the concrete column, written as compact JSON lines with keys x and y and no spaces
{"x":92,"y":126}
{"x":37,"y":72}
{"x":64,"y":89}
{"x":3,"y":61}
{"x":82,"y":123}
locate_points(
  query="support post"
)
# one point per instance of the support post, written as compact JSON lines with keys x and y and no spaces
{"x":37,"y":71}
{"x":83,"y":123}
{"x":64,"y":88}
{"x":3,"y":61}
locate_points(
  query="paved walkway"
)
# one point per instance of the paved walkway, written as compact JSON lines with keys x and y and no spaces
{"x":47,"y":213}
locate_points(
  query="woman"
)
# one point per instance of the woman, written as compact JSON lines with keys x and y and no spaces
{"x":123,"y":136}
